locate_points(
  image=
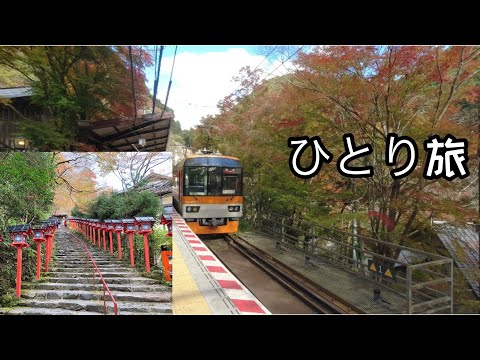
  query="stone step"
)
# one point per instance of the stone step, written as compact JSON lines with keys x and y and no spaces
{"x":94,"y":252}
{"x":99,"y":264}
{"x":73,"y":266}
{"x":90,"y":295}
{"x":82,"y":262}
{"x":81,"y":248}
{"x":95,"y":256}
{"x":70,"y":289}
{"x":46,"y":311}
{"x":89,"y":274}
{"x":98,"y":287}
{"x":89,"y":270}
{"x":98,"y":306}
{"x":112,"y":280}
{"x":84,"y":257}
{"x":89,"y":264}
{"x":112,"y":260}
{"x":101,"y":268}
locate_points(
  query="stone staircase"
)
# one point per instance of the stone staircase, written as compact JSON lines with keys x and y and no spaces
{"x":69,"y":289}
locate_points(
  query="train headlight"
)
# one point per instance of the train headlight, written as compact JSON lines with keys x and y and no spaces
{"x":234,"y":208}
{"x":192,"y":209}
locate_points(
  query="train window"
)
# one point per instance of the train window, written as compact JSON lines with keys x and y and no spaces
{"x":232,"y":181}
{"x":214,"y":180}
{"x":195,"y":180}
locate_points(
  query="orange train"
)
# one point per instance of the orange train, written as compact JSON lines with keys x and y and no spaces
{"x":207,"y":192}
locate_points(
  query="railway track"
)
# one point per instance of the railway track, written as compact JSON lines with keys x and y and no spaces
{"x":315,"y":298}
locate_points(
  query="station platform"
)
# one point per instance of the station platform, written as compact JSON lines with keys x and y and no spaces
{"x":352,"y":288}
{"x":201,"y":283}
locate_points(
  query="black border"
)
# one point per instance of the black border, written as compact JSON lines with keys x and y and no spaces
{"x":239,"y":24}
{"x":248,"y":332}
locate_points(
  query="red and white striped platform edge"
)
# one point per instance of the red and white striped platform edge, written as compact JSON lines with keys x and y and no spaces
{"x":239,"y":295}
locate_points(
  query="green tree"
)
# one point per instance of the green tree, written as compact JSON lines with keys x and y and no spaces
{"x":77,"y":83}
{"x":124,"y":205}
{"x":27,"y":182}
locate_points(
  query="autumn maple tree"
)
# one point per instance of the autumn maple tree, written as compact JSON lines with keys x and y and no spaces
{"x":77,"y":83}
{"x":368,"y":91}
{"x":76,"y":186}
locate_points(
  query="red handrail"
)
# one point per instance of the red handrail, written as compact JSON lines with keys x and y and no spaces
{"x":105,"y":286}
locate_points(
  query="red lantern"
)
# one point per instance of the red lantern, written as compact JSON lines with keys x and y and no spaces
{"x":129,"y":228}
{"x":19,"y":240}
{"x":110,"y":229}
{"x":145,"y":224}
{"x":118,"y":228}
{"x":168,"y":222}
{"x":39,"y":237}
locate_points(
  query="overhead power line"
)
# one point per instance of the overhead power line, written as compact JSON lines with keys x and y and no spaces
{"x":283,"y":62}
{"x":270,"y":73}
{"x":157,"y":75}
{"x":256,"y":67}
{"x":266,"y":57}
{"x":133,"y":83}
{"x":170,"y":82}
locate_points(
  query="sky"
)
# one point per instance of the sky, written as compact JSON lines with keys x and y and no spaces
{"x":110,"y":180}
{"x":202,"y":76}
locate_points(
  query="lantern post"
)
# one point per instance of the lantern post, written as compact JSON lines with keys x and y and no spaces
{"x":129,"y":229}
{"x":89,"y":229}
{"x":19,"y":240}
{"x":39,"y":237}
{"x":104,"y":229}
{"x":118,"y":228}
{"x":48,"y":234}
{"x":94,"y":231}
{"x":110,"y":229}
{"x":99,"y":235}
{"x":167,"y":263}
{"x":145,"y":224}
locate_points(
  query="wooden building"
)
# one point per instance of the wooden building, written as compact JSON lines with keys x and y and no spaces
{"x":15,"y":105}
{"x":148,"y":132}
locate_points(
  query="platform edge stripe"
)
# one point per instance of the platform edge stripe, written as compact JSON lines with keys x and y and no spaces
{"x":230,"y":284}
{"x":200,"y":248}
{"x":224,"y":276}
{"x":244,"y":296}
{"x":248,"y":306}
{"x":242,"y":299}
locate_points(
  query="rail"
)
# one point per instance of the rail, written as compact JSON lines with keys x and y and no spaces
{"x":104,"y":284}
{"x":320,"y":299}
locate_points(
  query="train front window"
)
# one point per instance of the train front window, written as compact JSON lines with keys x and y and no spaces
{"x":196,"y":180}
{"x":232,"y":181}
{"x":214,"y":180}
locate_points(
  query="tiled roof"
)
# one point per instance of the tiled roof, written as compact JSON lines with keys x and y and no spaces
{"x":15,"y":92}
